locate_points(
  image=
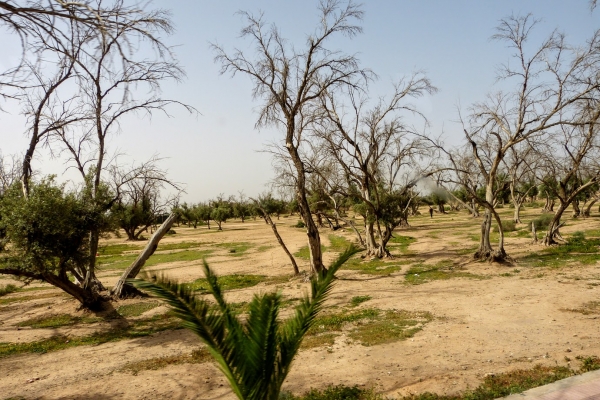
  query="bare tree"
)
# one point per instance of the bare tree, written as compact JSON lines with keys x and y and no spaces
{"x":570,"y":165}
{"x":379,"y":154}
{"x":291,"y":81}
{"x":550,"y":85}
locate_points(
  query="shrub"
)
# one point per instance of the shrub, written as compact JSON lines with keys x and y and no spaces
{"x":4,"y":290}
{"x":543,"y":221}
{"x":509,"y":226}
{"x":299,"y":224}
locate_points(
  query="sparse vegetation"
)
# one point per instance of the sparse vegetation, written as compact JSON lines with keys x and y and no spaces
{"x":7,"y":289}
{"x":421,"y":273}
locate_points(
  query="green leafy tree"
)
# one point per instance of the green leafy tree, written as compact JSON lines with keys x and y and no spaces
{"x":254,"y":353}
{"x":49,"y":236}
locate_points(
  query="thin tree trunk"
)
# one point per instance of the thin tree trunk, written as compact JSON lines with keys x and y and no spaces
{"x":122,"y":288}
{"x":534,"y":232}
{"x":268,"y":219}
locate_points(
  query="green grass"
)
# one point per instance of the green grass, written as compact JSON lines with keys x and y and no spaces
{"x":197,"y":356}
{"x":60,"y":320}
{"x":390,"y":326}
{"x":370,"y":326}
{"x":375,"y":266}
{"x":236,"y":248}
{"x":492,"y":387}
{"x":113,"y":262}
{"x":356,"y":300}
{"x":136,"y":309}
{"x":339,"y":392}
{"x":422,"y":273}
{"x":57,"y":321}
{"x":401,"y":242}
{"x":578,"y":249}
{"x":238,"y":281}
{"x":117,"y":249}
{"x":304,"y":253}
{"x":7,"y":289}
{"x":338,"y":243}
{"x":261,"y":249}
{"x":135,"y":329}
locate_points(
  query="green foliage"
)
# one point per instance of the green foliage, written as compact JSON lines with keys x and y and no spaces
{"x":299,"y":224}
{"x":48,"y":231}
{"x":543,"y":222}
{"x":254,"y":353}
{"x":591,"y":363}
{"x":135,"y":216}
{"x":338,"y":243}
{"x":7,"y":289}
{"x":508,"y":226}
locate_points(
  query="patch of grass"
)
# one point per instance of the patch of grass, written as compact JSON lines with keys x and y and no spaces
{"x":402,"y":242}
{"x":186,"y":255}
{"x":7,"y":289}
{"x":112,"y":262}
{"x":390,"y":326}
{"x":338,"y":243}
{"x":318,"y":340}
{"x":57,"y":321}
{"x":178,"y":246}
{"x":508,"y":225}
{"x":238,"y":281}
{"x":422,"y":273}
{"x":262,"y":249}
{"x":235,"y":248}
{"x":467,"y":250}
{"x":135,"y":329}
{"x":578,"y":249}
{"x":375,"y":266}
{"x":591,"y":307}
{"x":304,"y":253}
{"x":339,"y":392}
{"x":542,"y":222}
{"x":136,"y":309}
{"x":356,"y":300}
{"x":505,"y":384}
{"x":591,"y":363}
{"x":523,"y":233}
{"x":299,"y":224}
{"x":117,"y":249}
{"x":370,"y":326}
{"x":198,"y":356}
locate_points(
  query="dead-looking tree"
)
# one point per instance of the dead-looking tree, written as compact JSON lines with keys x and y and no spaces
{"x":379,"y":153}
{"x":551,"y":83}
{"x":290,"y":80}
{"x":570,"y":165}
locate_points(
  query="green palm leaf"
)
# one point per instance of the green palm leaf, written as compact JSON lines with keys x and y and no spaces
{"x":255,"y":355}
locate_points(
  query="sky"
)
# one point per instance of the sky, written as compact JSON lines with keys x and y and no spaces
{"x":219,"y":151}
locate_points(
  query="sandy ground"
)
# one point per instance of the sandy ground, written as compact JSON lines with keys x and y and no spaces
{"x":481,"y":326}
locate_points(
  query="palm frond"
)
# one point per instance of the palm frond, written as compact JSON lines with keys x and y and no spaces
{"x":255,"y":355}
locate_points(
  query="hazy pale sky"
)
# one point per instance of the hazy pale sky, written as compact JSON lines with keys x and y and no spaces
{"x":219,"y":150}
